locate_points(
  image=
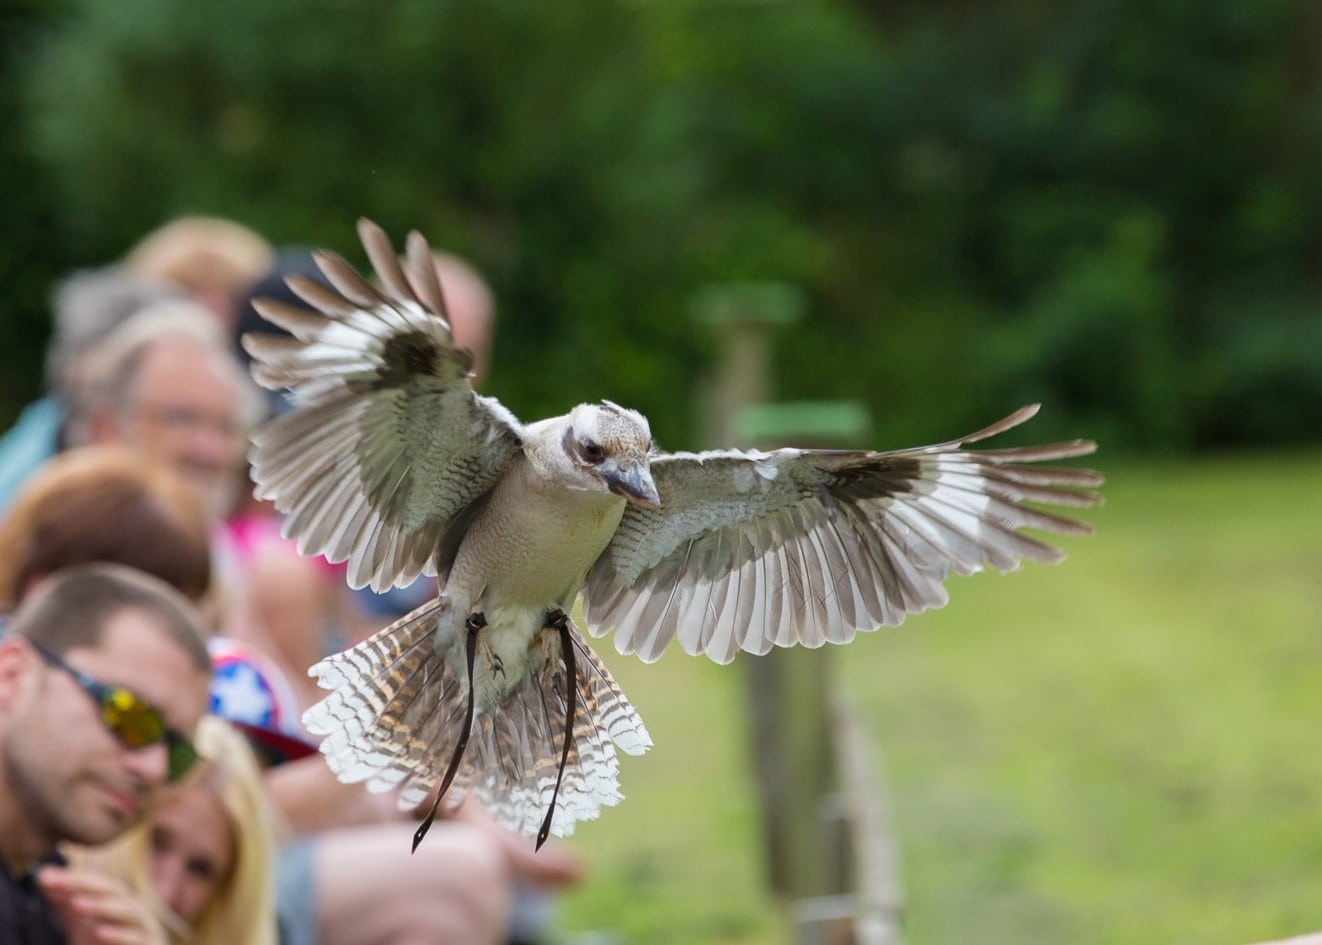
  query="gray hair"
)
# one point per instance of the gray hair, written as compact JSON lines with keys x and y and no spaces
{"x":86,"y":307}
{"x":105,"y":377}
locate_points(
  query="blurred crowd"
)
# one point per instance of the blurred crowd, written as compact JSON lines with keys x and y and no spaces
{"x":136,"y":458}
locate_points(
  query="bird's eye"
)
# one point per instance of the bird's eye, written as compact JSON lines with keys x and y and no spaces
{"x":593,"y":452}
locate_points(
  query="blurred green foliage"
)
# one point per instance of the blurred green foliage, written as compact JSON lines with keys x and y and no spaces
{"x":1109,"y":205}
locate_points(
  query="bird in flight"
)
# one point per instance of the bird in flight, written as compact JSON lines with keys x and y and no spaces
{"x":390,"y":460}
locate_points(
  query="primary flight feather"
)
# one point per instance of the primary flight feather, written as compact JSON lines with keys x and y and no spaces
{"x":389,"y":460}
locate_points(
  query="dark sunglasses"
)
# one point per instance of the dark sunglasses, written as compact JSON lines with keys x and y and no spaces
{"x":131,"y":720}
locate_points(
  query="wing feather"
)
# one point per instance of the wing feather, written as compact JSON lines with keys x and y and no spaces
{"x":909,"y":552}
{"x":778,"y":627}
{"x":812,"y":605}
{"x":868,"y":577}
{"x":790,"y":589}
{"x":422,"y":275}
{"x":718,"y":643}
{"x":761,"y":601}
{"x":320,"y":297}
{"x":385,"y":263}
{"x":387,"y":445}
{"x":349,"y":284}
{"x":656,"y":634}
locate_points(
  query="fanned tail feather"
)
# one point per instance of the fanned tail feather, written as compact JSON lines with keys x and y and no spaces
{"x":394,"y":698}
{"x":515,"y":753}
{"x":397,"y":706}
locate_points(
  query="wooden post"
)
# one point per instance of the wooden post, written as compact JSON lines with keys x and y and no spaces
{"x":878,"y":893}
{"x":812,"y":860}
{"x":744,"y":316}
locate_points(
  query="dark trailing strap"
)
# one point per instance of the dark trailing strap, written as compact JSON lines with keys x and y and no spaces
{"x":475,"y":623}
{"x":571,"y":699}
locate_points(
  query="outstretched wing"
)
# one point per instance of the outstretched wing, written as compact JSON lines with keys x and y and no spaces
{"x":387,"y":448}
{"x":751,"y":550}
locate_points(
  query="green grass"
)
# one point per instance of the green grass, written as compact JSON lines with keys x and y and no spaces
{"x":1121,"y":749}
{"x":679,"y":860}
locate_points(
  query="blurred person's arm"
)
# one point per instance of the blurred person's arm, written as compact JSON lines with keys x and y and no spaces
{"x":553,"y":866}
{"x":307,"y":797}
{"x":96,"y":909}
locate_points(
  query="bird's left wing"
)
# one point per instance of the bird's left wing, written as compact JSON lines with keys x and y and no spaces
{"x":388,"y":450}
{"x":751,"y":550}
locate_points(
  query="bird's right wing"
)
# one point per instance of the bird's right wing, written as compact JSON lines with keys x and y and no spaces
{"x":750,"y":550}
{"x":388,"y":449}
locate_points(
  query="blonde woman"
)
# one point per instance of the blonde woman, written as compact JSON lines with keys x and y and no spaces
{"x":203,"y":862}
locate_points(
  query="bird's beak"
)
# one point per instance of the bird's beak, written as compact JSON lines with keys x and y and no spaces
{"x":634,"y":483}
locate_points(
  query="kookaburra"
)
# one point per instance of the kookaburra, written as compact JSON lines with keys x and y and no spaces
{"x":389,"y":460}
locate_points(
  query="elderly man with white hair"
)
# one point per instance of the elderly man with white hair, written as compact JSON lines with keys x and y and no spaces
{"x":165,"y":381}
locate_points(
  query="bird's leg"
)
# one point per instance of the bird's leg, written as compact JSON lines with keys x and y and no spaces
{"x":558,"y":620}
{"x":475,"y":622}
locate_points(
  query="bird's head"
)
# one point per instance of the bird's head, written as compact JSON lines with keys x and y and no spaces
{"x":609,"y":445}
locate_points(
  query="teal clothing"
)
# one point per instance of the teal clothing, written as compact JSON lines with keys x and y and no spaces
{"x":33,"y":439}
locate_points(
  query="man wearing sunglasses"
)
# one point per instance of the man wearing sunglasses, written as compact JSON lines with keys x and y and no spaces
{"x":103,"y":676}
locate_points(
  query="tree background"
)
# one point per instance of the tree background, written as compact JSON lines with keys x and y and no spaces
{"x":1110,"y":206}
